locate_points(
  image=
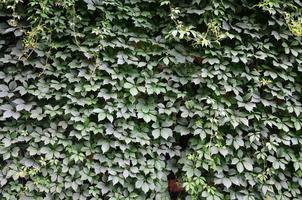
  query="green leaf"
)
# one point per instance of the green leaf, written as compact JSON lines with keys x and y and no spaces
{"x":105,"y":147}
{"x":8,"y":114}
{"x":128,"y":85}
{"x":166,"y":132}
{"x":166,"y":61}
{"x":239,"y":167}
{"x":245,"y":121}
{"x":226,"y":182}
{"x":145,"y":187}
{"x":235,"y":161}
{"x":133,"y":91}
{"x":165,"y":3}
{"x":248,"y":165}
{"x":6,"y":142}
{"x":276,"y":165}
{"x":110,"y":117}
{"x":101,"y":116}
{"x":156,"y":133}
{"x":249,"y":106}
{"x":297,"y":125}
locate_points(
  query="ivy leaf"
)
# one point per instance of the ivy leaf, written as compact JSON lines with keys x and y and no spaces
{"x":6,"y":142}
{"x":7,"y":114}
{"x":226,"y":182}
{"x":105,"y":147}
{"x":110,"y":117}
{"x":166,"y":132}
{"x":276,"y":35}
{"x":133,"y":91}
{"x":249,"y":106}
{"x":248,"y":165}
{"x":128,"y":85}
{"x":166,"y":61}
{"x":245,"y":121}
{"x":156,"y":133}
{"x":240,"y":167}
{"x":235,"y":161}
{"x":145,"y":187}
{"x":297,"y":125}
{"x":223,"y":151}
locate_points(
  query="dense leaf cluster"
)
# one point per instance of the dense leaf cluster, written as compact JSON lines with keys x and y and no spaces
{"x":100,"y":99}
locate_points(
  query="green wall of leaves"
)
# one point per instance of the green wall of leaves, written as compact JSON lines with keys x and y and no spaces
{"x":96,"y":94}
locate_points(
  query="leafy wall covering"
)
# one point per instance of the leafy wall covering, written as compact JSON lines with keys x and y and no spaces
{"x":101,"y":99}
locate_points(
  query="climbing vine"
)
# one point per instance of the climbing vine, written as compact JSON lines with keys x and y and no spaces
{"x":107,"y":99}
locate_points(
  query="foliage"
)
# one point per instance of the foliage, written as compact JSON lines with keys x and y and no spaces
{"x":97,"y":96}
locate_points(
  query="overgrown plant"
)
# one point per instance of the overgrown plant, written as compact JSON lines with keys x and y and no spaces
{"x":102,"y":99}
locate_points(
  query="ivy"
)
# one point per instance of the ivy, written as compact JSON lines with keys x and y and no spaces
{"x":102,"y":99}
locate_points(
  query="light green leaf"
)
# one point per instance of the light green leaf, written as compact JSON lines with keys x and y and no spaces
{"x":128,"y":85}
{"x":248,"y":165}
{"x":166,"y":61}
{"x":240,"y":167}
{"x":297,"y":125}
{"x":156,"y":133}
{"x":226,"y":182}
{"x":101,"y":116}
{"x":166,"y":132}
{"x":133,"y":91}
{"x":105,"y":147}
